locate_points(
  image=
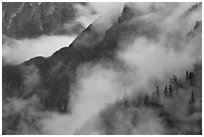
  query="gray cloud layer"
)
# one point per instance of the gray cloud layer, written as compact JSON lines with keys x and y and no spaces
{"x":146,"y":59}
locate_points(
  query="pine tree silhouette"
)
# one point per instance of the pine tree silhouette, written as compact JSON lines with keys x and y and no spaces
{"x":187,"y":76}
{"x":166,"y":91}
{"x":170,"y":91}
{"x":191,"y":78}
{"x":192,"y":99}
{"x":146,"y":99}
{"x":157,"y":90}
{"x":175,"y":84}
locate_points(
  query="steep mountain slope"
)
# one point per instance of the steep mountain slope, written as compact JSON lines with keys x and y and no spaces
{"x":67,"y":60}
{"x":55,"y":75}
{"x":74,"y":55}
{"x":21,"y":20}
{"x":71,"y":57}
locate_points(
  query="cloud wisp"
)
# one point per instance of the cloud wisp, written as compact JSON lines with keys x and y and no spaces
{"x":160,"y":48}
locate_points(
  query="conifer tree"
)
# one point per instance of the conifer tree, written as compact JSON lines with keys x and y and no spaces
{"x":187,"y":76}
{"x":166,"y":91}
{"x":157,"y":90}
{"x":191,"y":78}
{"x":175,"y":84}
{"x":192,"y":99}
{"x":170,"y":91}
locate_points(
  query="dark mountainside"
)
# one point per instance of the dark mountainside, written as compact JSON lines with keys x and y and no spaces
{"x":57,"y":73}
{"x":70,"y":58}
{"x":20,"y":19}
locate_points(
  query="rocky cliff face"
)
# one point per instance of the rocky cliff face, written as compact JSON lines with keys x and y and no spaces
{"x":21,"y":20}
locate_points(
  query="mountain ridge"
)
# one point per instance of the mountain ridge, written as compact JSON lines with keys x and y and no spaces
{"x":71,"y":57}
{"x":31,"y":19}
{"x":56,"y":74}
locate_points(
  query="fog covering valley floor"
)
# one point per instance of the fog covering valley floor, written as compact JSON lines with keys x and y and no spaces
{"x":137,"y":70}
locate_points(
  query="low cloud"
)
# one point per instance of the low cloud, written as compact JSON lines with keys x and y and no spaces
{"x":147,"y":61}
{"x":16,"y":51}
{"x":141,"y":62}
{"x":109,"y":14}
{"x":103,"y":14}
{"x":96,"y":86}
